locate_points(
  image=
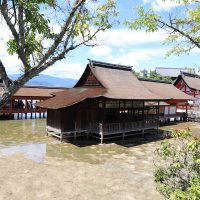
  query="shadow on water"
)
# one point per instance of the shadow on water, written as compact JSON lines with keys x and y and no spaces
{"x":28,"y":137}
{"x":129,"y":141}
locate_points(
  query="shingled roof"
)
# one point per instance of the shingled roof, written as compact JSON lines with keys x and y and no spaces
{"x":191,"y":80}
{"x":165,"y":89}
{"x":36,"y":91}
{"x":115,"y":82}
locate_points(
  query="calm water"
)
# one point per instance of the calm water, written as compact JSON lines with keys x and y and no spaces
{"x":116,"y":170}
{"x":28,"y":137}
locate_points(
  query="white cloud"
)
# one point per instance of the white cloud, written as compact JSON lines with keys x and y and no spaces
{"x":134,"y":57}
{"x":167,"y":5}
{"x":65,"y":70}
{"x":126,"y":59}
{"x":5,"y":32}
{"x":124,"y":37}
{"x":160,"y":5}
{"x":195,"y":50}
{"x":102,"y":50}
{"x":11,"y":63}
{"x":122,"y":50}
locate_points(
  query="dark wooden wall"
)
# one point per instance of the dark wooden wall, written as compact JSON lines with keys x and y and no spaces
{"x":54,"y":118}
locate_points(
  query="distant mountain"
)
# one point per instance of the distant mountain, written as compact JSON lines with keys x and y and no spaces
{"x":46,"y":80}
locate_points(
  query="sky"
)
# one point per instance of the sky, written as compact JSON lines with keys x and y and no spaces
{"x":118,"y":45}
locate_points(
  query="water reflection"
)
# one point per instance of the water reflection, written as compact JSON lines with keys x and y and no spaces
{"x":28,"y":137}
{"x":34,"y":152}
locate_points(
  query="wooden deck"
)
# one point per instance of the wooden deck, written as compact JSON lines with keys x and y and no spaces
{"x":107,"y":130}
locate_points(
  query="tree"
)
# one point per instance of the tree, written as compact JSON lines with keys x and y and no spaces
{"x":182,"y":27}
{"x":137,"y":74}
{"x":144,"y":73}
{"x":31,"y":27}
{"x":152,"y":74}
{"x":177,"y":175}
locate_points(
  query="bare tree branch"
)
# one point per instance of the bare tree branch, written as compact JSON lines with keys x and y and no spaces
{"x":65,"y":27}
{"x":179,"y":31}
{"x":4,"y":76}
{"x":21,"y":36}
{"x":4,"y":9}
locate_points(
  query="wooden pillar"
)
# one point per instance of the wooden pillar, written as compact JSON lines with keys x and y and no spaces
{"x":143,"y":121}
{"x":61,"y":137}
{"x":124,"y":108}
{"x":158,"y":114}
{"x":10,"y":107}
{"x":31,"y":108}
{"x":26,"y":108}
{"x":186,"y":108}
{"x":103,"y":120}
{"x":40,"y":110}
{"x":101,"y":132}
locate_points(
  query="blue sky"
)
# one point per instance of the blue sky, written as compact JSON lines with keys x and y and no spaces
{"x":120,"y":45}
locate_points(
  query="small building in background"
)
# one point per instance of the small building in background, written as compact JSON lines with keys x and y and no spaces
{"x":22,"y":103}
{"x":189,"y":84}
{"x":173,"y":73}
{"x":176,"y":105}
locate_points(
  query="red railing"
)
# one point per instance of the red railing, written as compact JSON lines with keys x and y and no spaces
{"x":21,"y":110}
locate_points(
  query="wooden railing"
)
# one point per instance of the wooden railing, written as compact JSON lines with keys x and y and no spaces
{"x":21,"y":110}
{"x":120,"y":127}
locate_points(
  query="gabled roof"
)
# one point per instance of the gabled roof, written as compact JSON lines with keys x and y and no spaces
{"x":115,"y":82}
{"x":165,"y":89}
{"x":119,"y":82}
{"x":71,"y":97}
{"x":36,"y":91}
{"x":191,"y":80}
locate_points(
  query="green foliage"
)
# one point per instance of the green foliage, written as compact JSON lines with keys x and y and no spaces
{"x":36,"y":26}
{"x":147,"y":19}
{"x":178,"y":174}
{"x":152,"y":74}
{"x":182,"y":29}
{"x":88,"y":23}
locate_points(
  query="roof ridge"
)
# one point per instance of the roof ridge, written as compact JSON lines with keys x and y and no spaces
{"x":43,"y":87}
{"x":190,"y":74}
{"x":94,"y":63}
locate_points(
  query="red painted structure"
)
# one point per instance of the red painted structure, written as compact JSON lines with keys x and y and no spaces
{"x":23,"y":101}
{"x":189,"y":84}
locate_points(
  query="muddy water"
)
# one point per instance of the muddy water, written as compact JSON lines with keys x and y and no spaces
{"x":116,"y":170}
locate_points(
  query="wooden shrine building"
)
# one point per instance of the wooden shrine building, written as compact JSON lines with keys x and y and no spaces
{"x":189,"y":84}
{"x":108,"y":101}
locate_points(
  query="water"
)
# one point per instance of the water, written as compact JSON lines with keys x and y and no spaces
{"x":116,"y":170}
{"x":28,"y":137}
{"x":34,"y":152}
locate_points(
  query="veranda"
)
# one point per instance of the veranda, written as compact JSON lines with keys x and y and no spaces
{"x":104,"y":118}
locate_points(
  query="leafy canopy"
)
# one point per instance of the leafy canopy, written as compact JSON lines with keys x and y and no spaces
{"x":46,"y":31}
{"x":151,"y":74}
{"x":182,"y":27}
{"x":177,"y":175}
{"x":35,"y":26}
